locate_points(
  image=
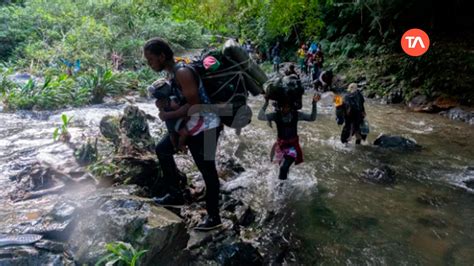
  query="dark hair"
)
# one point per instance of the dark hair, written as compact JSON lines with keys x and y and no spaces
{"x":159,"y":46}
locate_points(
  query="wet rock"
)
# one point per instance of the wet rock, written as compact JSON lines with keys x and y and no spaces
{"x":398,"y":142}
{"x":234,"y":166}
{"x":445,"y":103}
{"x":32,"y":181}
{"x":384,"y":175}
{"x":117,"y":215}
{"x":134,"y":126}
{"x":135,"y":161}
{"x":18,"y":239}
{"x":229,"y":204}
{"x":421,"y":103}
{"x":53,"y":246}
{"x":394,"y":96}
{"x":245,"y":216}
{"x":24,"y":255}
{"x":56,"y":224}
{"x":198,"y":239}
{"x":238,"y":254}
{"x":109,"y":128}
{"x":460,"y":114}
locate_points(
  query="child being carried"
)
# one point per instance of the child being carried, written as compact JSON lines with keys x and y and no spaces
{"x":167,"y":101}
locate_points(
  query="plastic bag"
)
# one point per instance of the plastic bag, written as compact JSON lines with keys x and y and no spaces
{"x":364,"y":127}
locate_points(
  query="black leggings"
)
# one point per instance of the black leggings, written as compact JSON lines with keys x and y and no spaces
{"x":285,"y":167}
{"x":203,"y":149}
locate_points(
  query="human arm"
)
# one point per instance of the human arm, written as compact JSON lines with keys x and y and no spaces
{"x":263,"y":116}
{"x":314,"y":111}
{"x":189,"y":88}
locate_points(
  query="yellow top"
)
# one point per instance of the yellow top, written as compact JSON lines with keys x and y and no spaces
{"x":301,"y":53}
{"x":338,"y":100}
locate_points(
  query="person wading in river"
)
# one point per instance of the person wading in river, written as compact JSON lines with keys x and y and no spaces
{"x":351,"y":113}
{"x":286,"y":149}
{"x":202,"y":146}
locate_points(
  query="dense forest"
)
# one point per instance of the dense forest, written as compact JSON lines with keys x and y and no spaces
{"x":101,"y":163}
{"x":86,"y":49}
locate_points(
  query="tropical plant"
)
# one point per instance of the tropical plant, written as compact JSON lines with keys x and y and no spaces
{"x":61,"y":132}
{"x":121,"y":253}
{"x":101,"y":83}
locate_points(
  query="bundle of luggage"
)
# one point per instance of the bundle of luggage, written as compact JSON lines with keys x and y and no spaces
{"x":228,"y":75}
{"x":287,"y":89}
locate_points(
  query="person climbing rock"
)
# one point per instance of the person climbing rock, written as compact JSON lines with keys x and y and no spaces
{"x":351,"y":113}
{"x":202,"y":145}
{"x":286,"y":149}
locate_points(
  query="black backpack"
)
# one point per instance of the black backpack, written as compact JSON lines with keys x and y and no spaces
{"x":228,"y":86}
{"x":354,"y":103}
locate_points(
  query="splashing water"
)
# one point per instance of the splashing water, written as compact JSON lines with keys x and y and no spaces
{"x":338,"y":218}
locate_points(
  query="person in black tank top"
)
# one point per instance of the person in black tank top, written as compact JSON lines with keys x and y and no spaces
{"x":286,"y":149}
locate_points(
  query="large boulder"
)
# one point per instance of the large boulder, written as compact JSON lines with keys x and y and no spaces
{"x":27,"y":255}
{"x":239,"y":253}
{"x":460,"y":114}
{"x":135,"y":161}
{"x":118,"y":214}
{"x":396,"y":142}
{"x":135,"y":132}
{"x":421,"y":103}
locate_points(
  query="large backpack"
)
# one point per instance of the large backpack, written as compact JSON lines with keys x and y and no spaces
{"x":354,"y":104}
{"x":287,"y":89}
{"x":228,"y":76}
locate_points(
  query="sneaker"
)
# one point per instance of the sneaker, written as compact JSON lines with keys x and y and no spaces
{"x":170,"y":200}
{"x":209,"y":224}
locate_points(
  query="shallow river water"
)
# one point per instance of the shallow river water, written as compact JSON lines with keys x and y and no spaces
{"x":425,"y":218}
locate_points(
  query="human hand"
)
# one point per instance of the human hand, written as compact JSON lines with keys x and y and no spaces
{"x":163,"y":115}
{"x":316,"y":97}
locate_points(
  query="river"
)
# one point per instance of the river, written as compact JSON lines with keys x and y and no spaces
{"x":426,"y":217}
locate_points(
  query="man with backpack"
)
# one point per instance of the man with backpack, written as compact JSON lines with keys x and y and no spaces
{"x":351,"y":113}
{"x":202,"y":146}
{"x":286,"y":149}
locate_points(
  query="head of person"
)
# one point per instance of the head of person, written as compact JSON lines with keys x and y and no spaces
{"x":352,"y":88}
{"x":158,"y":54}
{"x":284,"y":107}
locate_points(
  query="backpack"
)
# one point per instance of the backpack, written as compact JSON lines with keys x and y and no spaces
{"x":286,"y":89}
{"x":354,"y":103}
{"x":228,"y":76}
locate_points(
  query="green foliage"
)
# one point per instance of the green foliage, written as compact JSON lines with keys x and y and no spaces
{"x":61,"y":132}
{"x":102,"y":82}
{"x":120,"y":253}
{"x":51,"y":93}
{"x":40,"y":33}
{"x":87,"y":153}
{"x":103,"y":169}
